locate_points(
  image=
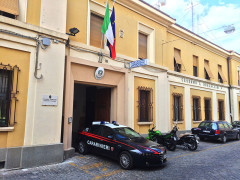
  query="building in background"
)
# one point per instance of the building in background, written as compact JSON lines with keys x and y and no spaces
{"x":62,"y":83}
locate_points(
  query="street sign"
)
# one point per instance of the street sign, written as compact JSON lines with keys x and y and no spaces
{"x":138,"y":63}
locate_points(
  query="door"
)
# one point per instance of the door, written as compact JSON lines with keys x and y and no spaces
{"x":110,"y":146}
{"x":228,"y":130}
{"x":103,"y":103}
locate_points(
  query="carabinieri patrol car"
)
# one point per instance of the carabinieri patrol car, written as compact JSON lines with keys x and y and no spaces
{"x":121,"y":143}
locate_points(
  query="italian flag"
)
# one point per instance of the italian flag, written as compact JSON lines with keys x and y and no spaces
{"x":107,"y":27}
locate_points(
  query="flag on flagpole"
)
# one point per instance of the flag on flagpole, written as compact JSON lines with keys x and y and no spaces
{"x":112,"y":47}
{"x":107,"y":27}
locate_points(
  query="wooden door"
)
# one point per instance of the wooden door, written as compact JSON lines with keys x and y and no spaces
{"x":102,"y":105}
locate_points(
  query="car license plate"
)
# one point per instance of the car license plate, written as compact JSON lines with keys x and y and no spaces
{"x":206,"y":131}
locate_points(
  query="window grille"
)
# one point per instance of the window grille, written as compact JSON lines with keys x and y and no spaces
{"x":196,"y":109}
{"x":8,"y":92}
{"x":208,"y":109}
{"x":177,"y":107}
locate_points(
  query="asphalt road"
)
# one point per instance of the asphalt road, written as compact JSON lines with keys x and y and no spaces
{"x":212,"y":160}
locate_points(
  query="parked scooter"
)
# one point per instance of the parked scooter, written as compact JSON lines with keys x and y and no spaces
{"x":187,"y":140}
{"x":166,"y":140}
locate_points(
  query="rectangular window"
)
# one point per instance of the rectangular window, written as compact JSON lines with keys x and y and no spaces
{"x":196,"y":109}
{"x":208,"y":109}
{"x":5,"y":96}
{"x":142,"y":46}
{"x":221,"y":77}
{"x":177,"y":108}
{"x":221,"y":110}
{"x":177,"y":60}
{"x":145,"y":104}
{"x":8,"y":94}
{"x":207,"y":71}
{"x":195,"y":66}
{"x":95,"y":31}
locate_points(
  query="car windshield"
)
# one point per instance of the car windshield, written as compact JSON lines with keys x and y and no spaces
{"x":208,"y":125}
{"x":126,"y":133}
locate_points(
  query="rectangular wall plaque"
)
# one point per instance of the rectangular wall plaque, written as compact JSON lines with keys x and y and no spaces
{"x":49,"y":100}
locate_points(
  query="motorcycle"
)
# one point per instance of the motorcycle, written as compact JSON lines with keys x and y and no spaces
{"x":187,"y":140}
{"x":166,"y":140}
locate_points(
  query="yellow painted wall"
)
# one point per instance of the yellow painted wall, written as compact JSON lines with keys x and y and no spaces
{"x":143,"y":129}
{"x":187,"y":51}
{"x":221,"y":97}
{"x":233,"y":71}
{"x":125,"y":19}
{"x":178,"y":90}
{"x":202,"y":95}
{"x":33,"y":12}
{"x":21,"y":59}
{"x":77,"y":17}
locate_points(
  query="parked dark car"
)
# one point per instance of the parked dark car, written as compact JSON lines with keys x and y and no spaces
{"x":236,"y":124}
{"x":216,"y":130}
{"x":121,"y":143}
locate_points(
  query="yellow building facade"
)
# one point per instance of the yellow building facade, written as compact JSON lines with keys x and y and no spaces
{"x":188,"y":79}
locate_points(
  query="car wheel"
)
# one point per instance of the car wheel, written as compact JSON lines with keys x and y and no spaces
{"x":192,"y":146}
{"x":82,"y":148}
{"x":126,"y":160}
{"x":171,"y":145}
{"x":224,"y":139}
{"x":238,"y":136}
{"x":154,"y":139}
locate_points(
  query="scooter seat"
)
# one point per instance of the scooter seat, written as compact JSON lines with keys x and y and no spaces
{"x":181,"y":135}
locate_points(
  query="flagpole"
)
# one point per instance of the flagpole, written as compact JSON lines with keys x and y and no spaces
{"x":100,"y":56}
{"x":113,"y":2}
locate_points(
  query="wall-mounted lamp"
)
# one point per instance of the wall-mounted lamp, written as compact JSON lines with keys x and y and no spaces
{"x":73,"y":31}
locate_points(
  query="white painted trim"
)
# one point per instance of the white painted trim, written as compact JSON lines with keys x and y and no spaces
{"x":187,"y":98}
{"x":150,"y":32}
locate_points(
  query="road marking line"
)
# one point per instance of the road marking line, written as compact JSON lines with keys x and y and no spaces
{"x":104,"y":169}
{"x":73,"y":164}
{"x":95,"y":165}
{"x":81,"y":157}
{"x":203,"y":150}
{"x":108,"y":174}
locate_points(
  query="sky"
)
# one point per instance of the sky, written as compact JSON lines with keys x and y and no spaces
{"x":210,"y":19}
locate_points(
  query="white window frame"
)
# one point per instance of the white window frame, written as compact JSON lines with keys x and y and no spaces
{"x":150,"y":32}
{"x":98,"y":9}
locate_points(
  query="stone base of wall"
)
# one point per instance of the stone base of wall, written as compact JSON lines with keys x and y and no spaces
{"x":31,"y":156}
{"x":69,"y":153}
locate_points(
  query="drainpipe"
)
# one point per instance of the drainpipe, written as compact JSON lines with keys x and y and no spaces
{"x":229,"y":88}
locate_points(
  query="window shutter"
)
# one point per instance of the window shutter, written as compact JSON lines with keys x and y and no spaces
{"x":9,"y":6}
{"x":195,"y":61}
{"x":177,"y":56}
{"x":207,"y":68}
{"x":221,"y":74}
{"x":142,"y":46}
{"x":95,"y":30}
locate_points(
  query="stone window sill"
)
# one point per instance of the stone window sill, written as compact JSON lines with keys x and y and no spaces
{"x":196,"y":122}
{"x":6,"y":129}
{"x":178,"y":122}
{"x":145,"y":123}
